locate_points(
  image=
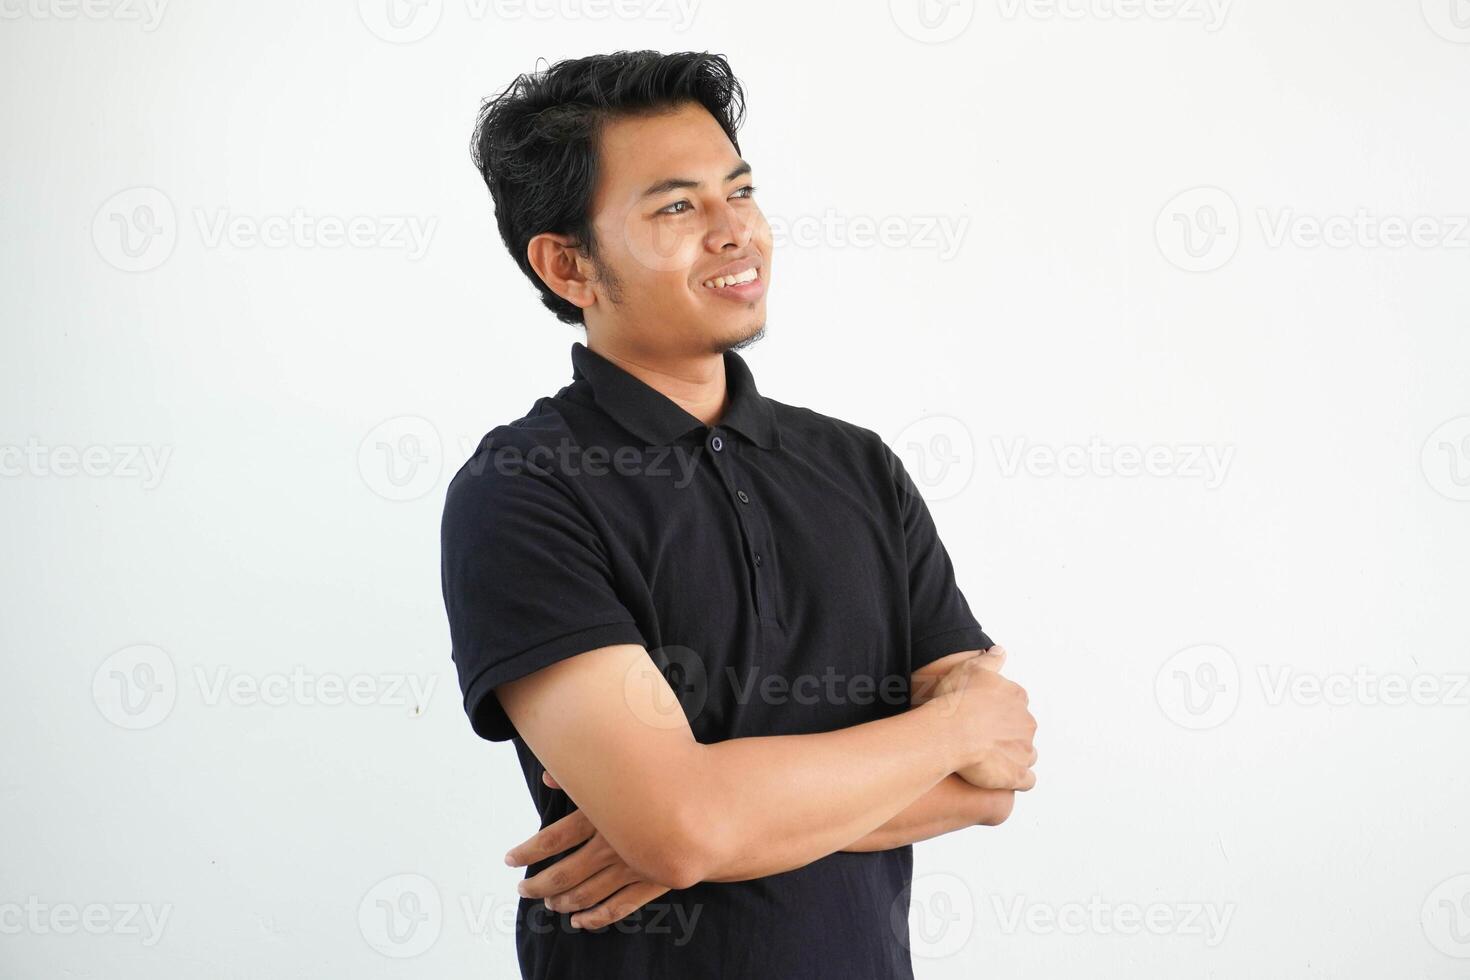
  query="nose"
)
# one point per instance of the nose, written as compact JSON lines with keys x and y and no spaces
{"x":729,"y":225}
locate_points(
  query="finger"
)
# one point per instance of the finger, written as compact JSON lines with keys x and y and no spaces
{"x":554,"y":838}
{"x":569,"y":872}
{"x":620,"y":905}
{"x":594,"y":889}
{"x":992,"y":659}
{"x":546,"y":778}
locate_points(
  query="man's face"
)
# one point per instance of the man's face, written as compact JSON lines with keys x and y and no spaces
{"x":672,"y":209}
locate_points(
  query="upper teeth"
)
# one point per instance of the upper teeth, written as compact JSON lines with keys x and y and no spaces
{"x":739,"y":277}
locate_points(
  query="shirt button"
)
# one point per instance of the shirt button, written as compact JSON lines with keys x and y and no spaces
{"x":717,"y":444}
{"x":757,"y":560}
{"x":744,"y":497}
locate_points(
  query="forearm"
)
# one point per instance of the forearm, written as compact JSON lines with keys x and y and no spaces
{"x":951,"y":804}
{"x":774,"y":803}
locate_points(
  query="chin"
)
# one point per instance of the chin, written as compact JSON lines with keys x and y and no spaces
{"x":743,"y":338}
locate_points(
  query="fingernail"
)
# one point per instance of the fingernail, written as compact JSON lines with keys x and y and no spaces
{"x":510,"y":860}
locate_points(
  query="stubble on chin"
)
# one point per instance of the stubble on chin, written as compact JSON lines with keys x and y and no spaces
{"x":739,"y":341}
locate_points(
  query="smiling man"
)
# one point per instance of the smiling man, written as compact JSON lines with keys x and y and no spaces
{"x":721,"y":630}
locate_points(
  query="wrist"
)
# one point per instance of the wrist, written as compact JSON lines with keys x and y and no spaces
{"x":941,"y":715}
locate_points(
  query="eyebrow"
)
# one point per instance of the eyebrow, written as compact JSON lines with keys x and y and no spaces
{"x":681,"y":183}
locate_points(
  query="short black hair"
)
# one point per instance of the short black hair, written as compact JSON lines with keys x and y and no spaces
{"x":535,"y":144}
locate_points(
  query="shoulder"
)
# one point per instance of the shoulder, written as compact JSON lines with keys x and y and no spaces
{"x":807,"y":430}
{"x":515,"y":461}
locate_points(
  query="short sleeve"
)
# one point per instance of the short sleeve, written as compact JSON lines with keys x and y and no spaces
{"x":940,"y":621}
{"x":526,"y":581}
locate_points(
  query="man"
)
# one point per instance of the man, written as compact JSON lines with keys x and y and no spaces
{"x":721,"y":630}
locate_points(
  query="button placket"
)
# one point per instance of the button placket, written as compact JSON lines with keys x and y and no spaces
{"x":725,"y":464}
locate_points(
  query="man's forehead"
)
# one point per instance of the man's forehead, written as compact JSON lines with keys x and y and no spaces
{"x":636,"y":152}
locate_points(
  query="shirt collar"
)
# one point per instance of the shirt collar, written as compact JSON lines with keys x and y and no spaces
{"x":657,"y":419}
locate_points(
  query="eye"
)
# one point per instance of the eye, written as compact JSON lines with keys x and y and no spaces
{"x":748,"y":187}
{"x":670,"y":208}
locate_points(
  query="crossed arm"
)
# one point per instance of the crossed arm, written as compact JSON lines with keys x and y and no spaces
{"x":657,"y":810}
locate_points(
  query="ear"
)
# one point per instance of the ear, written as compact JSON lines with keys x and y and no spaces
{"x":557,"y":261}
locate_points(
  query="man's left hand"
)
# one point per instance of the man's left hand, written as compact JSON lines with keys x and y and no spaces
{"x":592,"y":881}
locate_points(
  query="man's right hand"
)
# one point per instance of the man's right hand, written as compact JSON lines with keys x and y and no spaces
{"x":993,"y":721}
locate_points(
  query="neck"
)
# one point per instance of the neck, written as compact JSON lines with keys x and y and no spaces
{"x":694,"y":382}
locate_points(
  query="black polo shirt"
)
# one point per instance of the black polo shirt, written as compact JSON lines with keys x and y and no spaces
{"x":784,"y":574}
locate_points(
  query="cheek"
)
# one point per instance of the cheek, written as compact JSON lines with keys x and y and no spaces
{"x":658,"y":247}
{"x":761,"y":234}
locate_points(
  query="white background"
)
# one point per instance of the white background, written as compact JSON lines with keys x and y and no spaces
{"x":1130,"y":195}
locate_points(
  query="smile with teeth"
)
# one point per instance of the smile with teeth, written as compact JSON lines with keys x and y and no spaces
{"x":720,"y":282}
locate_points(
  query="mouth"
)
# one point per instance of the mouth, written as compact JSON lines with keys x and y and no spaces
{"x":744,"y":285}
